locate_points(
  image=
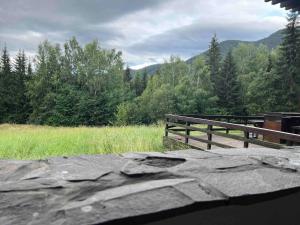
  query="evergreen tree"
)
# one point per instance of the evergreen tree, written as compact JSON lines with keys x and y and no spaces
{"x":139,"y":83}
{"x":22,"y":108}
{"x":287,"y":80}
{"x":144,"y":80}
{"x":29,"y":70}
{"x":127,"y":76}
{"x":2,"y":94}
{"x":270,"y":64}
{"x":214,"y":59}
{"x":44,"y":83}
{"x":5,"y":62}
{"x":260,"y":94}
{"x":228,"y":88}
{"x":6,"y":88}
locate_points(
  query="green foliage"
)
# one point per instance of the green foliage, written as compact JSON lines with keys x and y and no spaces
{"x":80,"y":86}
{"x":5,"y":86}
{"x":260,"y":95}
{"x":214,"y":59}
{"x":228,"y":88}
{"x":287,"y":79}
{"x":14,"y":104}
{"x":127,"y":75}
{"x":275,"y":86}
{"x":21,"y":78}
{"x":88,"y":85}
{"x":173,"y":90}
{"x":139,"y":83}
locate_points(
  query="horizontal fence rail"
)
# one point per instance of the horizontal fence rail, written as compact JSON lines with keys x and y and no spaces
{"x":223,"y":117}
{"x":176,"y":124}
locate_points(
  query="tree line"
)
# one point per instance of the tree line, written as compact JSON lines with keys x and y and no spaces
{"x":87,"y":85}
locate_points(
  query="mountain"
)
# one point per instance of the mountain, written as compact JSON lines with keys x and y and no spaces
{"x":150,"y":70}
{"x":225,"y":46}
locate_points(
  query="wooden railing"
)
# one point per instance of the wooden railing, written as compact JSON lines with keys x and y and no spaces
{"x":227,"y":118}
{"x":176,"y":124}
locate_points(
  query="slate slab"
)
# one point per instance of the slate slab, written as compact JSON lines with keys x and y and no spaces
{"x":124,"y":189}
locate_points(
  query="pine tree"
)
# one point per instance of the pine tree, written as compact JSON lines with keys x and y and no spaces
{"x":22,"y":108}
{"x":3,"y":109}
{"x":127,"y":75}
{"x":43,"y":85}
{"x":139,"y":83}
{"x":270,"y":64}
{"x":144,"y":80}
{"x":228,"y":87}
{"x":287,"y":81}
{"x":6,"y":87}
{"x":29,"y":70}
{"x":214,"y":59}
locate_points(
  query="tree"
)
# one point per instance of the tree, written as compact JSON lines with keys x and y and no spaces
{"x":77,"y":86}
{"x":44,"y":82}
{"x":200,"y":75}
{"x":22,"y":107}
{"x":139,"y":83}
{"x":128,"y":113}
{"x":127,"y":76}
{"x":29,"y":70}
{"x":260,"y":95}
{"x":287,"y":81}
{"x":251,"y":61}
{"x":270,"y":64}
{"x":250,"y":58}
{"x":228,"y":87}
{"x":144,"y":80}
{"x":6,"y":88}
{"x":214,"y":59}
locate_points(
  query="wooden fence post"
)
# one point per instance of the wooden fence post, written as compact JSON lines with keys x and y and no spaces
{"x":227,"y":130}
{"x":167,"y":127}
{"x":187,"y":132}
{"x":209,"y":136}
{"x":246,"y":143}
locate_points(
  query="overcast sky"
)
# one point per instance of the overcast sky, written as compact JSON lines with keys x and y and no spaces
{"x":146,"y":31}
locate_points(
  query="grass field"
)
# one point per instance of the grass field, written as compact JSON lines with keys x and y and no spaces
{"x":38,"y":142}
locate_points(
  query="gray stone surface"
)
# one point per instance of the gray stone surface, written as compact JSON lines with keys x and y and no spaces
{"x":102,"y":189}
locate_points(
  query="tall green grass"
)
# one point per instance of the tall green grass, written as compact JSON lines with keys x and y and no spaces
{"x":38,"y":142}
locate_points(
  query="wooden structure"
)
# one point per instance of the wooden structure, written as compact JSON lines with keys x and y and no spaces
{"x":281,"y":121}
{"x":293,"y":5}
{"x":186,"y":127}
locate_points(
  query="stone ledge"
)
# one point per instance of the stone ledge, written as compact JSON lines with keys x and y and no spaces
{"x":215,"y":187}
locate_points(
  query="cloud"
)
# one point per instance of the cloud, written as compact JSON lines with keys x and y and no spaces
{"x":60,"y":20}
{"x":192,"y":39}
{"x":147,"y":31}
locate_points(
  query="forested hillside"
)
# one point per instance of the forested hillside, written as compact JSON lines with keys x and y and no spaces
{"x":75,"y":85}
{"x":273,"y":41}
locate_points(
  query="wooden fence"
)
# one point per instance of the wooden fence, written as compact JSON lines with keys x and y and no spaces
{"x":184,"y":125}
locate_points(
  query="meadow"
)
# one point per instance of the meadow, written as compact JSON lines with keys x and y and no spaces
{"x":39,"y":142}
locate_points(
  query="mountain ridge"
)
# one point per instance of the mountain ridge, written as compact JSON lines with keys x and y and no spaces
{"x":272,"y":41}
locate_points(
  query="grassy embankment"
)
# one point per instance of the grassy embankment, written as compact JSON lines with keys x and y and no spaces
{"x":38,"y":142}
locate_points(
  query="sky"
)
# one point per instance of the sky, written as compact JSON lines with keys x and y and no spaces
{"x":146,"y":31}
